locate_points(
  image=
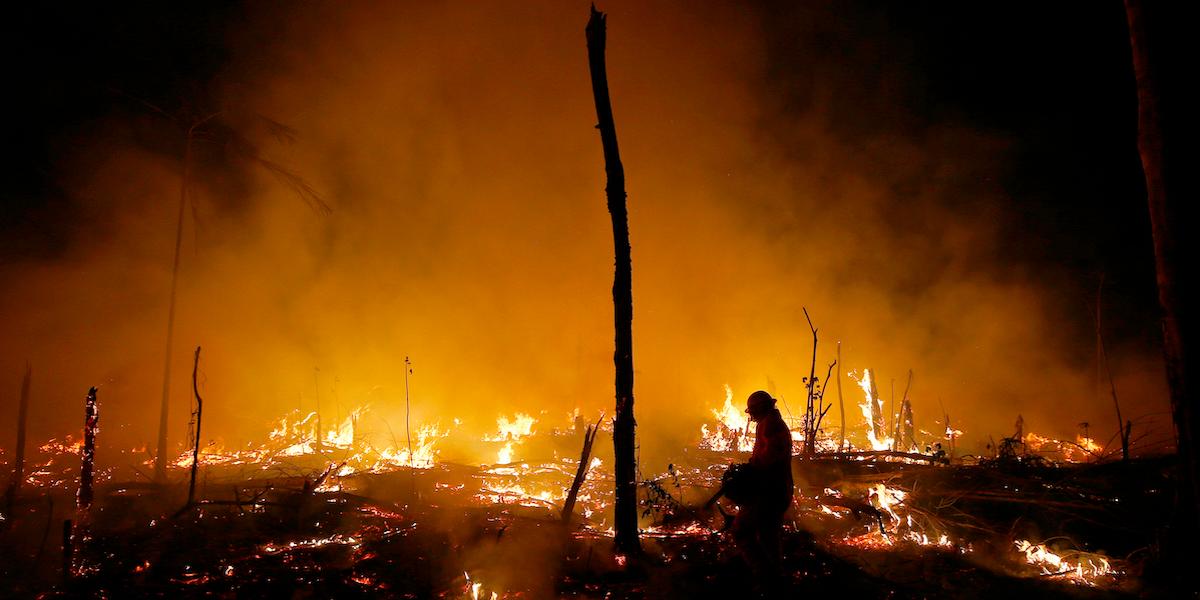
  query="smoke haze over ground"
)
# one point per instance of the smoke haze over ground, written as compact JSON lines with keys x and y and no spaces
{"x":774,"y":162}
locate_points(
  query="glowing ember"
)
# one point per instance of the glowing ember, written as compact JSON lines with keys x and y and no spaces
{"x":339,"y":539}
{"x":691,"y":529}
{"x":67,"y":446}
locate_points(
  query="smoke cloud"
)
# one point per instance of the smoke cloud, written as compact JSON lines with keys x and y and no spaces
{"x":468,"y":231}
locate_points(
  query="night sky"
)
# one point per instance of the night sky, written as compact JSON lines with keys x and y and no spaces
{"x":1054,"y":81}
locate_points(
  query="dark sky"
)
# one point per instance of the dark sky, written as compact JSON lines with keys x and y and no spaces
{"x":988,"y":148}
{"x":1053,"y":80}
{"x":65,"y":65}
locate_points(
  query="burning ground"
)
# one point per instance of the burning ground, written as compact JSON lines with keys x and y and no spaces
{"x":342,"y":510}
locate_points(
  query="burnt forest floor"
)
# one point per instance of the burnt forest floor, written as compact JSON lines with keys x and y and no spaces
{"x":286,"y":541}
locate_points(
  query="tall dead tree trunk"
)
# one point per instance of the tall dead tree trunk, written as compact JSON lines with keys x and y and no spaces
{"x":160,"y":456}
{"x":18,"y":475}
{"x":624,"y":446}
{"x":1165,"y":130}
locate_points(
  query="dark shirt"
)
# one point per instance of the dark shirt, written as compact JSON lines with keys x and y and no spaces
{"x":771,"y":458}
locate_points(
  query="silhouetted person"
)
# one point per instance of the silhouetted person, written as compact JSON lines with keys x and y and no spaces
{"x":760,"y":517}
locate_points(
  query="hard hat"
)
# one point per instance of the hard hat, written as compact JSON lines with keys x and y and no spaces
{"x":759,"y":400}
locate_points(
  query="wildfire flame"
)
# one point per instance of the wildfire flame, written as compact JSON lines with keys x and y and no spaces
{"x":295,"y":435}
{"x":1085,"y":570}
{"x":510,"y":432}
{"x":868,"y":410}
{"x":1083,"y":449}
{"x":733,"y":432}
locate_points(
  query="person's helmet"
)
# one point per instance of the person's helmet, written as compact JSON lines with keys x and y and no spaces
{"x":759,"y":401}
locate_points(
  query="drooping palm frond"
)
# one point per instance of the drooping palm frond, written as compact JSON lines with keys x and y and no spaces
{"x":214,"y":128}
{"x":289,"y":178}
{"x":282,"y":133}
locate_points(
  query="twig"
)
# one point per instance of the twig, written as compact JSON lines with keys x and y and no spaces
{"x":824,"y":409}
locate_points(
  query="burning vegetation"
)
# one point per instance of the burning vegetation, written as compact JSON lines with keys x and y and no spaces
{"x":343,"y":508}
{"x":491,"y":486}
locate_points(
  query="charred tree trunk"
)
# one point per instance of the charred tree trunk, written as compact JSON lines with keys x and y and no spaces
{"x":1157,"y":34}
{"x":18,"y":476}
{"x":877,"y":422}
{"x":585,"y":456}
{"x":90,"y":422}
{"x":903,"y":427}
{"x":624,"y":447}
{"x":199,"y":416}
{"x":908,"y":430}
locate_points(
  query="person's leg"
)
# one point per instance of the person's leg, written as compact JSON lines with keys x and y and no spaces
{"x":769,"y":539}
{"x":747,"y":533}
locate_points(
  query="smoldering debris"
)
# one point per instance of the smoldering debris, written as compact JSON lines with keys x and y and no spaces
{"x":872,"y":525}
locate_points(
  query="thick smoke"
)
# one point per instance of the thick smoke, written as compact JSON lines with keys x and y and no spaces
{"x":468,"y":230}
